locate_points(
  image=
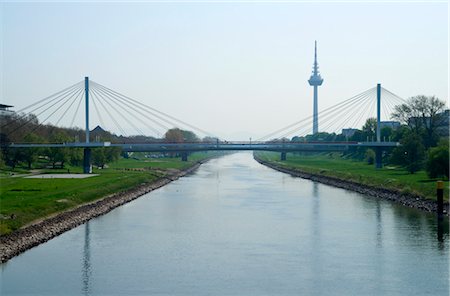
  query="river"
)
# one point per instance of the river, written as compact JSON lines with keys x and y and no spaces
{"x":235,"y":227}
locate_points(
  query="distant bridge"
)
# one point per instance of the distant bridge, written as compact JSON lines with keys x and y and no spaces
{"x":228,"y":146}
{"x":185,"y":148}
{"x":344,"y":114}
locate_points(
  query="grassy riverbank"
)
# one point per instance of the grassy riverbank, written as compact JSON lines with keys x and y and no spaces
{"x":335,"y":166}
{"x":24,"y":200}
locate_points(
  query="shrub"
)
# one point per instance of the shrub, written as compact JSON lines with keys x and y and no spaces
{"x":438,"y":162}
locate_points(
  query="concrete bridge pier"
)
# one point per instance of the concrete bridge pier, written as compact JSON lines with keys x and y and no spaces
{"x":378,"y":157}
{"x":184,"y":156}
{"x":87,"y":167}
{"x":283,"y":156}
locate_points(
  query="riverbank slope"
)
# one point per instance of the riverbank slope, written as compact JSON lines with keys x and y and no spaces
{"x":358,"y":184}
{"x":48,"y":227}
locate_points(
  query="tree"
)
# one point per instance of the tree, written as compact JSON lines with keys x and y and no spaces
{"x":174,"y":135}
{"x":31,"y":155}
{"x":15,"y":155}
{"x":370,"y":156}
{"x":386,"y":133}
{"x":76,"y":156}
{"x":189,"y":136}
{"x":437,"y":164}
{"x":209,"y":139}
{"x":112,"y":154}
{"x":2,"y":162}
{"x":421,"y":114}
{"x":58,"y":154}
{"x":410,"y":154}
{"x":98,"y":157}
{"x":370,"y":128}
{"x":104,"y":155}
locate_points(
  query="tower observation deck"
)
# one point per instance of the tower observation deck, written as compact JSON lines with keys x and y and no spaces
{"x":315,"y":80}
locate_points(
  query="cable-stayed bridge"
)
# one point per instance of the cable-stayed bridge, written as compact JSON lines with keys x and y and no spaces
{"x":125,"y":113}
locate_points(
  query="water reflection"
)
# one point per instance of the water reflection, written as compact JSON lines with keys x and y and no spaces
{"x":86,"y":268}
{"x":420,"y":224}
{"x":442,"y":232}
{"x":379,"y":226}
{"x":316,"y":258}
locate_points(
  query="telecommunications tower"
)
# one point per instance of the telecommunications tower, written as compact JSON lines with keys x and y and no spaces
{"x":315,"y":80}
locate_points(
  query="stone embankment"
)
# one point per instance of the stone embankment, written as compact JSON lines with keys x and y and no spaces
{"x":406,"y":199}
{"x":30,"y":236}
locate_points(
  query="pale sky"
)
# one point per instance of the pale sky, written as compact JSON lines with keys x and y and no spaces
{"x":238,"y":70}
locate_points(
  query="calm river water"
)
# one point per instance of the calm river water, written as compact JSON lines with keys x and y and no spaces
{"x":235,"y":227}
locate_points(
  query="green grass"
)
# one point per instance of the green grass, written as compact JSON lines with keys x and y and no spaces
{"x":31,"y":199}
{"x":139,"y":161}
{"x":358,"y":171}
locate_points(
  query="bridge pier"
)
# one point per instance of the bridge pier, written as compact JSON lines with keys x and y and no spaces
{"x":283,"y":156}
{"x":378,"y":157}
{"x":87,"y":167}
{"x":184,"y":156}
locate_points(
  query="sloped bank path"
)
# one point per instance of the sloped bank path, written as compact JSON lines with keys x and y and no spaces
{"x":35,"y":234}
{"x":409,"y":200}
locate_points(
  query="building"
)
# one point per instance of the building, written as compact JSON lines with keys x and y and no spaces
{"x":4,"y":110}
{"x":348,"y":132}
{"x":392,"y":124}
{"x":442,"y":121}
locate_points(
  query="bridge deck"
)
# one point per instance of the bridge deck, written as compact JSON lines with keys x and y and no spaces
{"x":229,"y":146}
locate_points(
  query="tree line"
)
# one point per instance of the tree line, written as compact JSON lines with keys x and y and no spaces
{"x":423,"y":134}
{"x":26,"y":128}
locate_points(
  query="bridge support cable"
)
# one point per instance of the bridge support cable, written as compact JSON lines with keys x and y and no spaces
{"x":64,"y":100}
{"x":109,"y":102}
{"x":359,"y":109}
{"x":331,"y":117}
{"x":385,"y":109}
{"x":48,"y":100}
{"x":77,"y":95}
{"x":112,"y":118}
{"x":76,"y":111}
{"x":330,"y":113}
{"x":345,"y":115}
{"x":397,"y":99}
{"x":162,"y":114}
{"x":366,"y":113}
{"x":131,"y":103}
{"x":99,"y":115}
{"x":59,"y":93}
{"x":128,"y":106}
{"x":325,"y":112}
{"x":56,"y":110}
{"x":341,"y":120}
{"x":147,"y":112}
{"x":306,"y":120}
{"x":392,"y":100}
